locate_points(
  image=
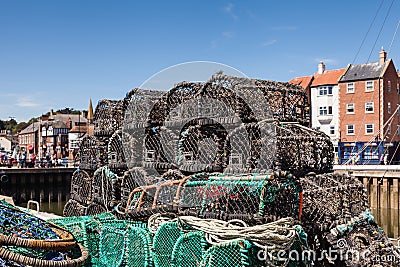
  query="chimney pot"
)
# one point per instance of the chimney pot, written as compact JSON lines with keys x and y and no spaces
{"x":321,"y":67}
{"x":382,"y":56}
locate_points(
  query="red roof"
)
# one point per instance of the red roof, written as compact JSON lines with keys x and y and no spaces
{"x":328,"y":77}
{"x":302,"y":81}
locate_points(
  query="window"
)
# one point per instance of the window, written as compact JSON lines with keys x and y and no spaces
{"x":350,"y":88}
{"x":369,"y":129}
{"x":369,"y":107}
{"x":398,"y":130}
{"x":323,"y":111}
{"x":389,"y":86}
{"x":389,"y":130}
{"x":389,"y":108}
{"x":325,"y":90}
{"x":371,"y":152}
{"x":350,"y":129}
{"x":398,"y":88}
{"x":332,"y":130}
{"x":350,"y":108}
{"x":369,"y":86}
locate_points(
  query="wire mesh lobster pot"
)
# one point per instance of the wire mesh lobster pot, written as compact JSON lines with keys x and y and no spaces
{"x":301,"y":150}
{"x":251,"y":198}
{"x":81,"y":187}
{"x":74,"y":208}
{"x":104,"y":189}
{"x":108,"y":117}
{"x":147,"y":200}
{"x":115,"y":153}
{"x":288,"y":102}
{"x":330,"y":200}
{"x":365,"y":240}
{"x":92,"y":153}
{"x":192,"y":127}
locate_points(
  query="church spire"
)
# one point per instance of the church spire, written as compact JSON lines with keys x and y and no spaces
{"x":90,"y":112}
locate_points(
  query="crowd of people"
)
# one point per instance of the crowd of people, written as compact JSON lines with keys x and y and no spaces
{"x":24,"y":159}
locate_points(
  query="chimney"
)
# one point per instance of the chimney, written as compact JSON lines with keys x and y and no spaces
{"x":321,"y":67}
{"x":382,"y":57}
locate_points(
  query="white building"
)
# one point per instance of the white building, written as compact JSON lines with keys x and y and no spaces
{"x":325,"y":103}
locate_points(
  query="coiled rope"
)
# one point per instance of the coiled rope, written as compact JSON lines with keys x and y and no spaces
{"x":278,"y":235}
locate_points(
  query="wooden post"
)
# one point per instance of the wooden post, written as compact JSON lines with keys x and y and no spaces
{"x":384,"y":194}
{"x":394,"y":195}
{"x":374,"y":193}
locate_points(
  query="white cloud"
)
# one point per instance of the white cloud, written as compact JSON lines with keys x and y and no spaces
{"x":228,"y":9}
{"x":269,"y":42}
{"x":24,"y":101}
{"x":326,"y":60}
{"x":228,"y":34}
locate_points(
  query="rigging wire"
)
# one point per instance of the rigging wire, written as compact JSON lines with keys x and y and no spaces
{"x":369,"y":29}
{"x":380,"y":31}
{"x":394,"y":36}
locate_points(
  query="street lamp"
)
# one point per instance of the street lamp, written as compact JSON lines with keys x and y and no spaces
{"x":12,"y":136}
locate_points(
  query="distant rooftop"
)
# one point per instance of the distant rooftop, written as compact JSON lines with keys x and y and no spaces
{"x":304,"y":81}
{"x":367,"y":71}
{"x":329,"y":77}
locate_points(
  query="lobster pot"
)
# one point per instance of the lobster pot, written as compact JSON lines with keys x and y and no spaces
{"x":362,"y":236}
{"x":103,"y":187}
{"x":74,"y":208}
{"x":330,"y":200}
{"x":115,"y":153}
{"x":128,"y":184}
{"x":301,"y":150}
{"x":92,"y":153}
{"x":191,"y":127}
{"x":189,"y":249}
{"x":108,"y":117}
{"x":161,"y":197}
{"x":221,"y":196}
{"x":81,"y":187}
{"x":228,"y":254}
{"x":163,"y":243}
{"x":288,"y":102}
{"x":281,"y":196}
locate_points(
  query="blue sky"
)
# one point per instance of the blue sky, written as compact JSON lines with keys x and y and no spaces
{"x":57,"y":54}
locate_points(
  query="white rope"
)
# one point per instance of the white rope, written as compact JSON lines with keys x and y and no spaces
{"x":278,"y":235}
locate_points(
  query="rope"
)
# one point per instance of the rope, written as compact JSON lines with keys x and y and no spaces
{"x":278,"y":235}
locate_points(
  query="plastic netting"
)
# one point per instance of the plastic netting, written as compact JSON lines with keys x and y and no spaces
{"x":230,"y":254}
{"x":163,"y":243}
{"x":188,"y":250}
{"x":29,"y":240}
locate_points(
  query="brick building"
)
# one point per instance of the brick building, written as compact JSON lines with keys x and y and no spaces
{"x":368,"y":117}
